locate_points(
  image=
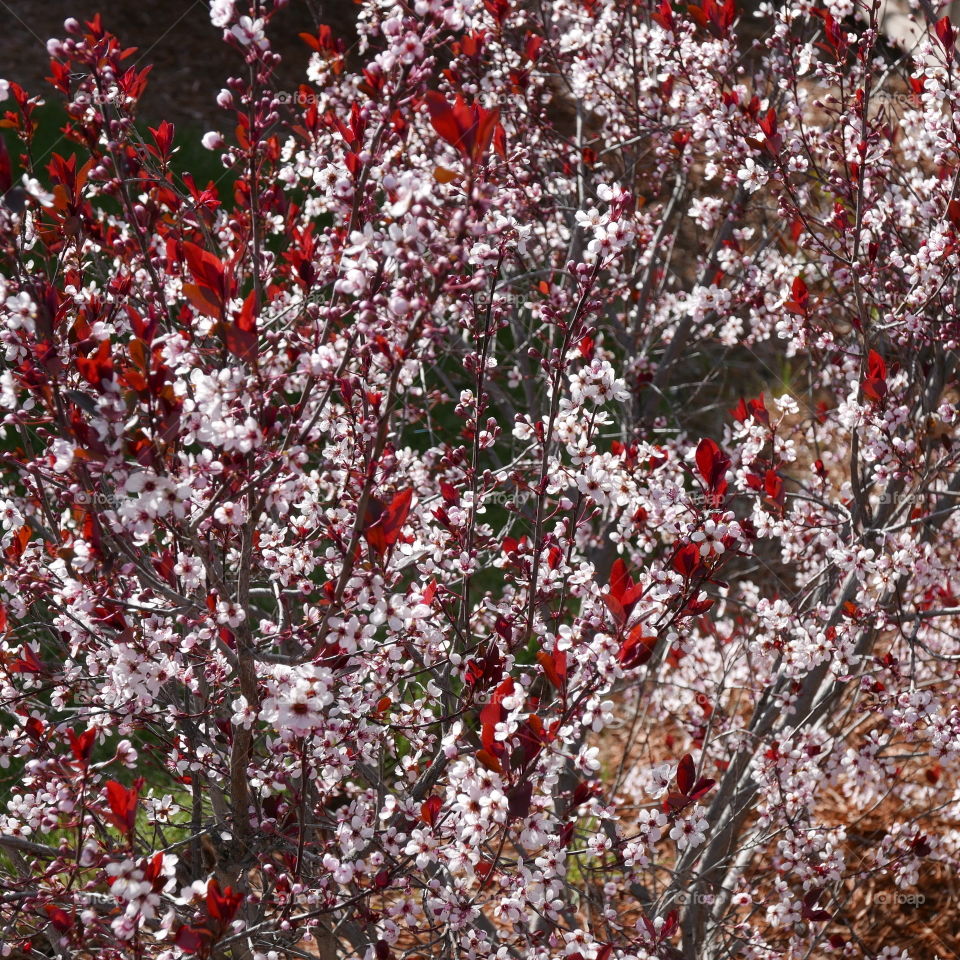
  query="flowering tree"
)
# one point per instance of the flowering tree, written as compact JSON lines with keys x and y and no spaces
{"x":519,"y":522}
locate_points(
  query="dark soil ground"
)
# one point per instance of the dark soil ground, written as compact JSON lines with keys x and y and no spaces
{"x":190,"y":60}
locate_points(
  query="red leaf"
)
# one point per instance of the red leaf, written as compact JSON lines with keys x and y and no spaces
{"x":493,"y":713}
{"x":163,"y":137}
{"x":953,"y":212}
{"x":468,"y":128}
{"x":686,"y":774}
{"x":19,"y":543}
{"x":712,"y":464}
{"x":947,"y":35}
{"x":241,"y":336}
{"x":808,"y":911}
{"x":695,"y":607}
{"x":449,"y":493}
{"x":222,"y":904}
{"x":664,"y":16}
{"x":206,"y":268}
{"x":531,"y":46}
{"x":773,"y":487}
{"x":637,"y":649}
{"x":82,"y":745}
{"x":212,"y":283}
{"x":800,"y":297}
{"x":154,"y":866}
{"x":488,"y":760}
{"x":500,"y":141}
{"x":34,"y":727}
{"x":6,"y":176}
{"x":58,"y":917}
{"x":768,"y":123}
{"x":98,"y":367}
{"x":247,"y":321}
{"x":442,"y":117}
{"x":703,"y":786}
{"x":623,"y":593}
{"x":164,"y":565}
{"x":518,"y":800}
{"x":191,"y":939}
{"x":383,"y":534}
{"x":875,"y":381}
{"x":123,"y":805}
{"x":203,"y":300}
{"x":876,"y":366}
{"x":498,"y":9}
{"x":512,"y":545}
{"x":27,"y":662}
{"x":751,"y":408}
{"x":554,"y":666}
{"x":619,"y":578}
{"x":759,"y":410}
{"x":430,"y":809}
{"x":687,"y":560}
{"x":616,"y":609}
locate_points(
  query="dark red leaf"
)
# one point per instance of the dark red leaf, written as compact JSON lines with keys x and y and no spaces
{"x":58,"y":917}
{"x":554,"y":666}
{"x":946,"y":34}
{"x":518,"y":800}
{"x":27,"y":661}
{"x":686,"y":560}
{"x":686,"y":772}
{"x":664,"y":16}
{"x":82,"y":745}
{"x":6,"y":176}
{"x":191,"y":939}
{"x":702,"y":787}
{"x":712,"y":464}
{"x":123,"y":805}
{"x":206,"y":268}
{"x":429,"y":810}
{"x":449,"y":492}
{"x":492,"y":714}
{"x":637,"y":649}
{"x":875,"y":380}
{"x":222,"y":904}
{"x":383,"y":534}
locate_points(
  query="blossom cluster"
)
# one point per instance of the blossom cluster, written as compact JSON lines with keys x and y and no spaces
{"x":510,"y":514}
